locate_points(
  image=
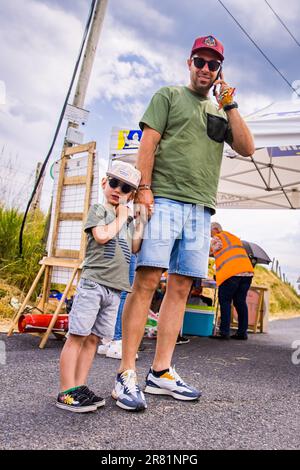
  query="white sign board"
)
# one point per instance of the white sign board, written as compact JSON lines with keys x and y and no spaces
{"x":78,"y":115}
{"x":124,"y":144}
{"x":74,"y":136}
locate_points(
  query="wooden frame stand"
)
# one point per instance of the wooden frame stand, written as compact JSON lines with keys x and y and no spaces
{"x":71,"y":259}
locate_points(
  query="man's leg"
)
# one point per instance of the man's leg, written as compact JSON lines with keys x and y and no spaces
{"x":239,"y":301}
{"x":226,"y":293}
{"x":135,"y":314}
{"x":170,"y":319}
{"x":162,"y":379}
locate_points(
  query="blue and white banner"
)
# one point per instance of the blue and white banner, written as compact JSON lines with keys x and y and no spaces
{"x":290,"y":151}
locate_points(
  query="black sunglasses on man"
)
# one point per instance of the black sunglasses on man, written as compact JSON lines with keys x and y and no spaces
{"x":199,"y":63}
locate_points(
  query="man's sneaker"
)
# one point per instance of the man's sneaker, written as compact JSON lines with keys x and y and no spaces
{"x":114,"y":350}
{"x":96,"y":400}
{"x":75,"y":401}
{"x":128,"y":393}
{"x":170,"y":383}
{"x":182,"y":340}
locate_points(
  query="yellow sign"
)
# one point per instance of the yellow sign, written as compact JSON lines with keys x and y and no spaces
{"x":129,"y":139}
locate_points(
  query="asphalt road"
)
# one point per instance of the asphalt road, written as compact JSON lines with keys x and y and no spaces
{"x":251,"y":398}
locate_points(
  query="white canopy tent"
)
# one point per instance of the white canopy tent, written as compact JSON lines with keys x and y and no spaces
{"x":270,"y":179}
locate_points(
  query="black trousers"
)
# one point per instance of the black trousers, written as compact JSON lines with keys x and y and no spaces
{"x":234,"y":290}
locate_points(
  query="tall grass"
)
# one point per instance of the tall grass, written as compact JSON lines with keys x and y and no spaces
{"x":15,"y":270}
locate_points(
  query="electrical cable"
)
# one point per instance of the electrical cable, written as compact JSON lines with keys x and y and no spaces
{"x":283,"y":24}
{"x":87,"y":27}
{"x":260,"y":50}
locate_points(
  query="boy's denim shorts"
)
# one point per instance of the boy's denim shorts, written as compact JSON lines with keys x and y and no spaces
{"x":94,"y":310}
{"x":177,"y":238}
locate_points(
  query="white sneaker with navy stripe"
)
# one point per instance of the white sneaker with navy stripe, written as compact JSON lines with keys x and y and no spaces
{"x":170,"y":383}
{"x":128,"y":393}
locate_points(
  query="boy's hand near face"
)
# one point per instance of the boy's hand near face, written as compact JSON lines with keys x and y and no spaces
{"x":122,"y":212}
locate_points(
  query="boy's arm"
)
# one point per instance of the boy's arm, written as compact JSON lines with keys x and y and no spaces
{"x":137,"y":237}
{"x":103,"y":233}
{"x":140,"y":222}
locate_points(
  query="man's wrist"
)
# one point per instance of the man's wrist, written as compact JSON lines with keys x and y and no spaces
{"x":144,"y":187}
{"x":228,"y":107}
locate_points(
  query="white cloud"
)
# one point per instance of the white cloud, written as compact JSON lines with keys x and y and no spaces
{"x":37,"y":61}
{"x":260,"y":22}
{"x":149,"y":19}
{"x":128,"y":67}
{"x":251,"y":102}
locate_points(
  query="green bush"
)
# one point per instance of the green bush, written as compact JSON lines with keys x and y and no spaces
{"x":15,"y":270}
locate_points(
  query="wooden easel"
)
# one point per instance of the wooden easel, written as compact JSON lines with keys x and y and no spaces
{"x":58,"y":257}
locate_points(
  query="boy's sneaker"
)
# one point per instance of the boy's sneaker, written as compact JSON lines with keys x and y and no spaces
{"x":75,"y":401}
{"x":114,"y":350}
{"x":170,"y":383}
{"x":98,"y":401}
{"x":128,"y":393}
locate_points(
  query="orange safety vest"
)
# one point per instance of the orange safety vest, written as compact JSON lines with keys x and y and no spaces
{"x":232,"y":259}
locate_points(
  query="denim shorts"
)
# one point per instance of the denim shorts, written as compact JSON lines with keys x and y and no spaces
{"x":177,"y":238}
{"x":94,"y":310}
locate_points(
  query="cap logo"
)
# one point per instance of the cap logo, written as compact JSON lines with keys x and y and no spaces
{"x":123,"y":172}
{"x":210,"y":41}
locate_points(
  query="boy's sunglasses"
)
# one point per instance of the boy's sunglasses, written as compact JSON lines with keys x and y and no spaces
{"x":125,"y":188}
{"x":213,"y":65}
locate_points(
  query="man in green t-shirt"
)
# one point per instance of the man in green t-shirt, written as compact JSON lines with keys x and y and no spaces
{"x":179,"y":159}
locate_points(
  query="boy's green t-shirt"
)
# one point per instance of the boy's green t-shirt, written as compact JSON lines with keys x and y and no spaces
{"x":188,"y":159}
{"x":107,"y":264}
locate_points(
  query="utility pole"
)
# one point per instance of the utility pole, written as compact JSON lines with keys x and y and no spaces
{"x":89,"y":57}
{"x":90,"y":52}
{"x":85,"y":73}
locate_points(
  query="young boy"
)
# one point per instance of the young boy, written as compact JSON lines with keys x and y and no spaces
{"x":111,"y":239}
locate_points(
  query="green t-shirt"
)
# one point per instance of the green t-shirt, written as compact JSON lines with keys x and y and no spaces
{"x":107,"y":264}
{"x":188,"y":159}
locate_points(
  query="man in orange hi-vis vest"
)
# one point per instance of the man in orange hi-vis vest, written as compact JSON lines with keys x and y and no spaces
{"x":234,"y":273}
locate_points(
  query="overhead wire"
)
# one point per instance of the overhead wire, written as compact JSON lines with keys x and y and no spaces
{"x":259,"y":48}
{"x":87,"y":28}
{"x":283,"y":24}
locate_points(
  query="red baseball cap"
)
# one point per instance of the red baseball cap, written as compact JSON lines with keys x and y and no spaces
{"x":210,"y":43}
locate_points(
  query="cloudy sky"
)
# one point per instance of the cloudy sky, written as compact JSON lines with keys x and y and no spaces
{"x":144,"y":45}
